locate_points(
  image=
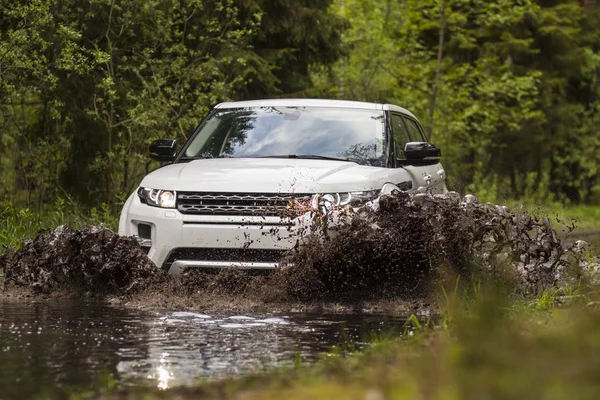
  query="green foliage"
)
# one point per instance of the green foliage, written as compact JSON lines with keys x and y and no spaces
{"x":18,"y":224}
{"x":546,"y":299}
{"x":84,"y":87}
{"x":509,"y":89}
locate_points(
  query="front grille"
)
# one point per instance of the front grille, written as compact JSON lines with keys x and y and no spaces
{"x":257,"y":204}
{"x":217,"y":254}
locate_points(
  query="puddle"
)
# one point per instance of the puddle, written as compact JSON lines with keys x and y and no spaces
{"x":51,"y":346}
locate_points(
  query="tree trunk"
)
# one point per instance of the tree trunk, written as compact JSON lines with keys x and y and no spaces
{"x":584,"y":5}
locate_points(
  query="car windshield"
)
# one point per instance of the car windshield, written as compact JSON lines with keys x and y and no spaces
{"x":304,"y":132}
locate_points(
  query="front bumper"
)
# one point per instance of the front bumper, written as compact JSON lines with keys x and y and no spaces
{"x":180,"y":241}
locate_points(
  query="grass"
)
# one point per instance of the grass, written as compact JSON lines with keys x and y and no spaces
{"x":583,"y":216}
{"x":536,"y":198}
{"x":19,"y":224}
{"x":587,"y":216}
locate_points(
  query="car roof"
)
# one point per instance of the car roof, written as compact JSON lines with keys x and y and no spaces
{"x":314,"y":103}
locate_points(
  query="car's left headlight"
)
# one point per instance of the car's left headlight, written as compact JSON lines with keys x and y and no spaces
{"x":325,"y":202}
{"x":158,"y":197}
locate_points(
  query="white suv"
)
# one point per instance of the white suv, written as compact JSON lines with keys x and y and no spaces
{"x":224,"y":199}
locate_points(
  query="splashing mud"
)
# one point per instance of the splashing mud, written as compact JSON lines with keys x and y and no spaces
{"x":408,"y":240}
{"x":394,"y":249}
{"x":92,"y":259}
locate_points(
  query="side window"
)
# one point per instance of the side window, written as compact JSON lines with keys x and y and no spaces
{"x":414,"y":132}
{"x":400,"y":135}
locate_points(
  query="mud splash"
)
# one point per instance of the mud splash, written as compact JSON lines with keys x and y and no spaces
{"x":92,"y":259}
{"x":409,"y":240}
{"x":397,"y":249}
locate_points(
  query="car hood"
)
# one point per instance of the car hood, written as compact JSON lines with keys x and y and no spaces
{"x":267,"y":175}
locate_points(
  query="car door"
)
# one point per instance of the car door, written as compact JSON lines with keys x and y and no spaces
{"x":406,"y":129}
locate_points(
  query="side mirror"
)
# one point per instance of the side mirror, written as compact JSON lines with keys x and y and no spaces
{"x":163,"y":150}
{"x":422,"y":151}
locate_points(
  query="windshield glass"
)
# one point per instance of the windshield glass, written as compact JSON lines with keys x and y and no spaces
{"x":348,"y":134}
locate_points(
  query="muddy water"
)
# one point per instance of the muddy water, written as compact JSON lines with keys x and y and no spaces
{"x":52,"y":346}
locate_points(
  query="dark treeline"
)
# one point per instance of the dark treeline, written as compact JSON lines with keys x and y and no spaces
{"x":508,"y":88}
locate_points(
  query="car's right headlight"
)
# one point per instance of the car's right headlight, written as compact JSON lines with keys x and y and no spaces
{"x":325,"y":202}
{"x":158,"y":197}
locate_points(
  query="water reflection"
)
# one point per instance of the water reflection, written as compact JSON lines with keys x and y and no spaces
{"x":49,"y":346}
{"x":163,"y":376}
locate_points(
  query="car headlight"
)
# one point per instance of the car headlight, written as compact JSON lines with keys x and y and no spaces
{"x":325,"y":202}
{"x":158,"y":197}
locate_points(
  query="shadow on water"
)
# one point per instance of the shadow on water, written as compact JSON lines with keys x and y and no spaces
{"x":52,"y":346}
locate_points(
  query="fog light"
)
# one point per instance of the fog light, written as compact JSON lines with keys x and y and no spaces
{"x":144,"y":231}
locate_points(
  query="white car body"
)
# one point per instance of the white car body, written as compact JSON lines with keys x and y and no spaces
{"x":196,"y":237}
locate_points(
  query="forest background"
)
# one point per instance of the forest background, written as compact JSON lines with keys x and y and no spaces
{"x":509,"y":89}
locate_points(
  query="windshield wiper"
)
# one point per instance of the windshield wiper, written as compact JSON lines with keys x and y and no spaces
{"x":309,"y":156}
{"x":192,"y":158}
